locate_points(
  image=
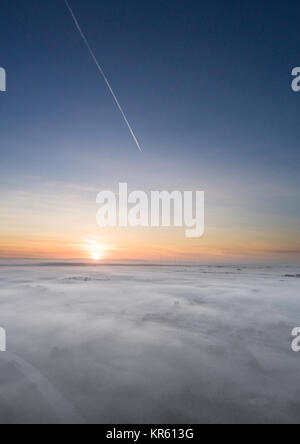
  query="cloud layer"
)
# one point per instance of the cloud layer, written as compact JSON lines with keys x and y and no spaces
{"x":151,"y":344}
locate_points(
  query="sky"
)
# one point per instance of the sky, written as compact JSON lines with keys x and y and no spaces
{"x":206,"y":87}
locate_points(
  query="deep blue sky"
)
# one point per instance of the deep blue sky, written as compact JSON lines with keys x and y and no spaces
{"x":213,"y":77}
{"x":205,"y":85}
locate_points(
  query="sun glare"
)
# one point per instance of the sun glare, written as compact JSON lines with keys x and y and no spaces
{"x":96,"y":256}
{"x":95,"y":250}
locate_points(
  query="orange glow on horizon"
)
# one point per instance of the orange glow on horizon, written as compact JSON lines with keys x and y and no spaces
{"x":56,"y":222}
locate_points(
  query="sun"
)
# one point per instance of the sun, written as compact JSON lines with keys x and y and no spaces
{"x":97,"y":256}
{"x":95,"y":250}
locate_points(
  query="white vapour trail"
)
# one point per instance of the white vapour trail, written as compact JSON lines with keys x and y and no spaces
{"x":102,"y":72}
{"x":62,"y":408}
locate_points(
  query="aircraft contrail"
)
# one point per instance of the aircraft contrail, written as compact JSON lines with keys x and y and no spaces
{"x":60,"y":406}
{"x":102,"y":72}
